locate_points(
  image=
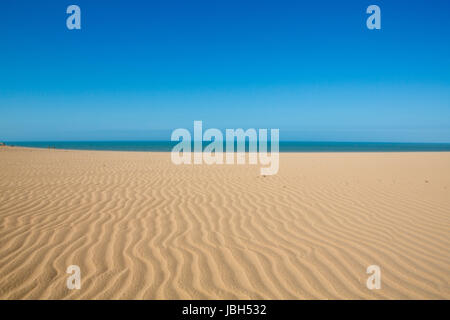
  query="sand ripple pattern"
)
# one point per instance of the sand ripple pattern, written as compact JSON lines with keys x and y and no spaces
{"x":140,"y":227}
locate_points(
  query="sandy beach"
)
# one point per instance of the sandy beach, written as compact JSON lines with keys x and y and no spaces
{"x":140,"y":227}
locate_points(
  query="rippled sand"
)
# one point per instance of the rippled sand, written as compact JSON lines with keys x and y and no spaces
{"x":141,"y":227}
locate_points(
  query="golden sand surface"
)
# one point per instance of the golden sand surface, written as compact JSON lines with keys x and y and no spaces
{"x":140,"y":227}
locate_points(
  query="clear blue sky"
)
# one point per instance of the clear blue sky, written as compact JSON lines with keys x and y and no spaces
{"x":138,"y":69}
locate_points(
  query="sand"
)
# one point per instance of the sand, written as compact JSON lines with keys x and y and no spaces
{"x":140,"y":227}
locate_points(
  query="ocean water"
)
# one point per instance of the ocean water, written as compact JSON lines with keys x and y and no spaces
{"x":285,"y":146}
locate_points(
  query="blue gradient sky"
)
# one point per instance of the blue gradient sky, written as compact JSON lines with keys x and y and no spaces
{"x":138,"y":69}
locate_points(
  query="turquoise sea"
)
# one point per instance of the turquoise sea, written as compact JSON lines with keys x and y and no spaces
{"x":285,"y":146}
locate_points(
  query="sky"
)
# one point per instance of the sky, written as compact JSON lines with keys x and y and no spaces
{"x":136,"y":70}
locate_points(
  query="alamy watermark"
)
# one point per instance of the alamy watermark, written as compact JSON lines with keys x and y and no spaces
{"x":374,"y":20}
{"x":374,"y":280}
{"x":73,"y":22}
{"x":213,"y":153}
{"x":74,"y":280}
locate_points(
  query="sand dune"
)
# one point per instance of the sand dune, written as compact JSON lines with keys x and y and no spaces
{"x":140,"y":227}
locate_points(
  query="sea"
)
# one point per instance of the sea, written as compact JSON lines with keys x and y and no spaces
{"x":284,"y":146}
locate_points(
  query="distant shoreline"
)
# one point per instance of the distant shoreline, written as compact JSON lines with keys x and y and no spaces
{"x":285,"y":146}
